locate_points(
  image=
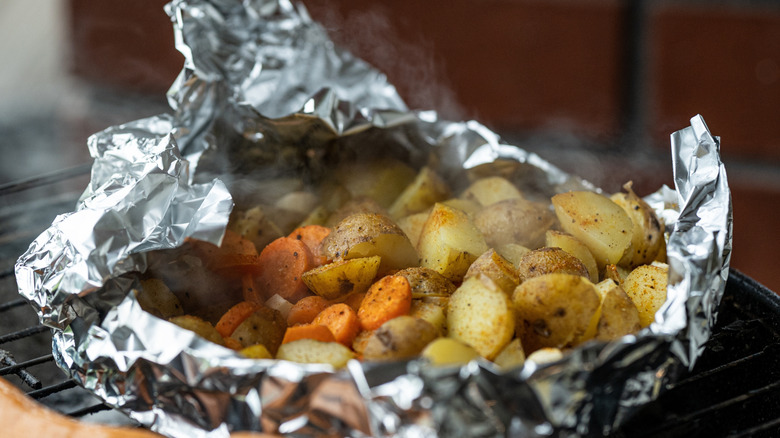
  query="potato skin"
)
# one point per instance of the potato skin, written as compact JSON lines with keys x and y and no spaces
{"x":554,"y":310}
{"x":647,"y":240}
{"x":544,"y":261}
{"x":499,"y":269}
{"x":370,"y":234}
{"x":515,"y":221}
{"x":426,"y":282}
{"x":402,"y":337}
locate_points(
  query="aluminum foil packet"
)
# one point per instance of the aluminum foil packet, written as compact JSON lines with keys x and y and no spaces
{"x":263,"y":94}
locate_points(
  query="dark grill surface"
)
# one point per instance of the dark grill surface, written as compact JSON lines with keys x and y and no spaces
{"x":734,"y":390}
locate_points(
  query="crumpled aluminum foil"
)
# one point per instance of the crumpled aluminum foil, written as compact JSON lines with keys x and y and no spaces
{"x":261,"y":80}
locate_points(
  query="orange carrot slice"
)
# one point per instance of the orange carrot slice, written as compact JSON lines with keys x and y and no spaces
{"x":282,"y":263}
{"x":342,"y":321}
{"x":306,"y":309}
{"x":308,"y":331}
{"x":234,"y":317}
{"x":312,"y":236}
{"x":386,"y":299}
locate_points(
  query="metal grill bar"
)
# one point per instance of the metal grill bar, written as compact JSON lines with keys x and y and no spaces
{"x":23,"y":333}
{"x":26,"y":364}
{"x":51,"y":389}
{"x":49,"y":178}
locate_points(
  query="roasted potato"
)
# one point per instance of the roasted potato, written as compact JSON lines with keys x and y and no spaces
{"x":514,"y":221}
{"x":402,"y":337}
{"x":311,"y":351}
{"x":467,"y":206}
{"x":449,"y":242}
{"x":265,"y":326}
{"x":619,"y":316}
{"x":512,"y":252}
{"x":544,"y":261}
{"x":646,"y":286}
{"x":511,"y":356}
{"x":603,"y":226}
{"x":434,"y":313}
{"x":426,"y":282}
{"x":382,"y":180}
{"x":499,"y":269}
{"x":366,"y":235}
{"x":338,"y":279}
{"x":256,"y":225}
{"x":426,"y":189}
{"x":449,"y":351}
{"x":354,"y":206}
{"x":647,"y":238}
{"x":156,"y":298}
{"x":412,"y":226}
{"x":489,"y":190}
{"x":202,"y":328}
{"x":555,"y":310}
{"x":480,"y":314}
{"x":572,"y":245}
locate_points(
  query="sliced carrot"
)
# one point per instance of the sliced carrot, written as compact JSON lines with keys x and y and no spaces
{"x":386,"y":299}
{"x":306,"y":309}
{"x":354,"y":300}
{"x":308,"y":331}
{"x":235,"y":256}
{"x":282,"y":263}
{"x":235,"y":316}
{"x":312,"y":236}
{"x":342,"y":322}
{"x":232,"y":344}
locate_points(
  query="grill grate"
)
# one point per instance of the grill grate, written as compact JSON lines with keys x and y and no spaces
{"x":733,"y":391}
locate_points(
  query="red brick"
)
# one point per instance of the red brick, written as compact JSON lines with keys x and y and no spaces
{"x":512,"y":65}
{"x":721,"y":62}
{"x":125,"y":44}
{"x":756,"y":234}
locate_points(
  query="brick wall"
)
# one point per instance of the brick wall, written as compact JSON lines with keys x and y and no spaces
{"x":596,"y":86}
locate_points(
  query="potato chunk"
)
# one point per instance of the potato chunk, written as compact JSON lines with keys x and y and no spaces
{"x":490,"y":190}
{"x":647,"y":239}
{"x":448,"y":351}
{"x":338,"y":279}
{"x":265,"y":326}
{"x":646,"y":286}
{"x":426,"y":189}
{"x":450,"y":242}
{"x":369,"y":234}
{"x":619,"y":316}
{"x":156,"y":298}
{"x":544,"y":261}
{"x":555,"y":310}
{"x":480,"y":314}
{"x":399,"y":338}
{"x":311,"y":351}
{"x":499,"y":269}
{"x":597,"y":222}
{"x":572,"y":245}
{"x":515,"y":221}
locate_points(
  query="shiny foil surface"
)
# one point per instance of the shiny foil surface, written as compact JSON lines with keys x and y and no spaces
{"x":264,"y":93}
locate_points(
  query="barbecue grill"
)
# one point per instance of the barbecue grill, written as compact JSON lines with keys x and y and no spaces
{"x":734,"y":389}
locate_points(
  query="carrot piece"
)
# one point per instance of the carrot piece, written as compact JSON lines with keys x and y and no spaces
{"x":306,"y":309}
{"x":282,"y":264}
{"x":342,"y":322}
{"x":386,"y":299}
{"x":312,"y":236}
{"x":236,"y":255}
{"x":354,"y":300}
{"x":232,"y":344}
{"x":308,"y":331}
{"x":235,"y":316}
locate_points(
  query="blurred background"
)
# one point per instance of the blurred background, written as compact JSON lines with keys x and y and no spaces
{"x":594,"y":86}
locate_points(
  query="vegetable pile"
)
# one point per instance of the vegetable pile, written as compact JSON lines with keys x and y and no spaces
{"x":383,"y":262}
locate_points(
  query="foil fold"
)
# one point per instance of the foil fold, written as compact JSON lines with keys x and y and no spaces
{"x":262,"y":80}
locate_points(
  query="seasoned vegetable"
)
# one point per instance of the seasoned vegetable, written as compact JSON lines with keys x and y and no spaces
{"x":603,"y":226}
{"x":388,"y":298}
{"x":399,"y":338}
{"x":450,"y":242}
